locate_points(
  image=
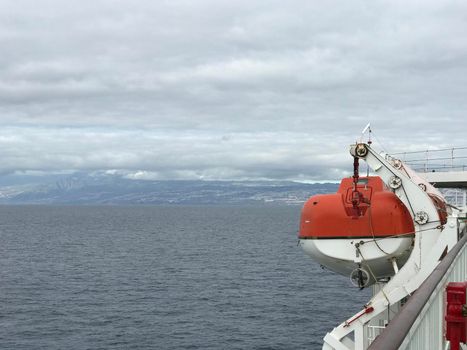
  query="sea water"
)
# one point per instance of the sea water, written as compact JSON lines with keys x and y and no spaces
{"x":81,"y":277}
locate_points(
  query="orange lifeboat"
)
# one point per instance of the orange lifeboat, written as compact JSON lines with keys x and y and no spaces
{"x":333,"y":216}
{"x":363,"y":227}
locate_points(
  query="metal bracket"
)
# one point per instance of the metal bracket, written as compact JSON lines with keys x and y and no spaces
{"x":395,"y":182}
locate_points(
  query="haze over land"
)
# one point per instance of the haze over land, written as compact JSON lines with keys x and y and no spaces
{"x":101,"y":188}
{"x":225,"y":90}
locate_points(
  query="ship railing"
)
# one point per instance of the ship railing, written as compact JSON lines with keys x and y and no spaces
{"x":373,"y":332}
{"x":455,"y":196}
{"x":446,"y":159}
{"x":452,"y":160}
{"x":420,"y":323}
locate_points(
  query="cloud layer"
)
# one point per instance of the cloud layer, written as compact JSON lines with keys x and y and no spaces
{"x":226,"y":90}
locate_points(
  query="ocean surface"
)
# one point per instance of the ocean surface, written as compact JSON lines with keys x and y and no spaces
{"x":163,"y":278}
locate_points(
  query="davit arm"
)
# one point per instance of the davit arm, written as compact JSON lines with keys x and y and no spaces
{"x":430,"y":240}
{"x":391,"y":171}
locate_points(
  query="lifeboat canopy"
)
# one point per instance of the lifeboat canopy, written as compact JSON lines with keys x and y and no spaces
{"x":333,"y":216}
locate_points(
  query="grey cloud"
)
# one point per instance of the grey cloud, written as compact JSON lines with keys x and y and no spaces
{"x":168,"y":155}
{"x":155,"y":86}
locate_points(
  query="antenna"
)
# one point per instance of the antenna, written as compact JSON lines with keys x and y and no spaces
{"x":365,"y":129}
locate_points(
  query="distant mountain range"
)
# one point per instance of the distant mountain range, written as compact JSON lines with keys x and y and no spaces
{"x":103,"y":188}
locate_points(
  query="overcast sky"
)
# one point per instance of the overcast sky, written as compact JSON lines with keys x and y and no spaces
{"x":199,"y":89}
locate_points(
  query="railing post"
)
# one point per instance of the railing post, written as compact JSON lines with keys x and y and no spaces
{"x":452,"y":158}
{"x":426,"y":161}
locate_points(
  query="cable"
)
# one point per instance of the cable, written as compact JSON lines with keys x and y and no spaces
{"x":357,"y":246}
{"x":379,"y":142}
{"x":402,"y":234}
{"x":370,"y":221}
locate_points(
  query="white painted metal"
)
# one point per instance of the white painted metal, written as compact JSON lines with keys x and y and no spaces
{"x":427,"y":332}
{"x":431,"y":239}
{"x":446,"y":178}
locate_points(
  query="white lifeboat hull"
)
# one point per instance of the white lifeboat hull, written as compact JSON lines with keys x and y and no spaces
{"x":345,"y":255}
